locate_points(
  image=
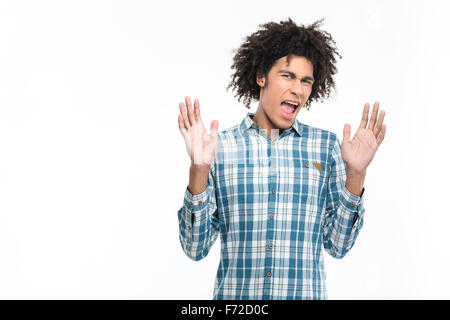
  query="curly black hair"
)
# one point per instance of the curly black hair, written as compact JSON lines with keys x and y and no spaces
{"x":256,"y":56}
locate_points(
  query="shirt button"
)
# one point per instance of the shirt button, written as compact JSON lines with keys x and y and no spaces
{"x":307,"y":164}
{"x":274,"y":165}
{"x":189,"y":228}
{"x":191,"y":204}
{"x":200,"y":202}
{"x":269,"y":274}
{"x":359,"y":205}
{"x":271,"y":217}
{"x":274,"y":191}
{"x":270,"y":246}
{"x":352,"y":203}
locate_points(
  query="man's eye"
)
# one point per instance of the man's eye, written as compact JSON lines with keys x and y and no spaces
{"x":286,"y":75}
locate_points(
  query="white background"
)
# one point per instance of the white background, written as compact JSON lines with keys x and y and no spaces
{"x":93,"y":168}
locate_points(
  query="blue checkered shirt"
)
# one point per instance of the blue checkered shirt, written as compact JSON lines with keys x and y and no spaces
{"x":275,"y":203}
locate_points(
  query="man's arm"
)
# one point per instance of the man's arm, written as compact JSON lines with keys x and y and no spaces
{"x":345,"y":207}
{"x":198,"y":178}
{"x":344,"y":213}
{"x":355,"y":182}
{"x":198,"y":219}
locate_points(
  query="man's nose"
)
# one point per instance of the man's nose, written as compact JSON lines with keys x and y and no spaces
{"x":297,"y":88}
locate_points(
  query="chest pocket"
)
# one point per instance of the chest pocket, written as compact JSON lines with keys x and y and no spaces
{"x":307,"y":177}
{"x":313,"y":169}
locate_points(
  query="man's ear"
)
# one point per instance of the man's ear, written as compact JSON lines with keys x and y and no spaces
{"x":261,"y":81}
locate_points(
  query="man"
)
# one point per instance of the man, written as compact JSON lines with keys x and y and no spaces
{"x":276,"y":190}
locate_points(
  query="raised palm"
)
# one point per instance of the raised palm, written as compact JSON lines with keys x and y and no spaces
{"x":359,"y":152}
{"x":202,"y":147}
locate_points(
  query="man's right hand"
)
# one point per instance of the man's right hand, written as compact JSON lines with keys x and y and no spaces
{"x":202,"y":147}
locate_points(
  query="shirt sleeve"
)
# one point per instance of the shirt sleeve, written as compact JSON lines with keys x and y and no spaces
{"x":344,"y":212}
{"x":198,"y":220}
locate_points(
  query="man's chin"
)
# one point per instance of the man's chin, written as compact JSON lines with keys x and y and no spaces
{"x":280,"y":124}
{"x":284,"y":123}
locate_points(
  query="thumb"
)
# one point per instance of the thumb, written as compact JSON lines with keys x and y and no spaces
{"x":214,"y":128}
{"x":347,"y":130}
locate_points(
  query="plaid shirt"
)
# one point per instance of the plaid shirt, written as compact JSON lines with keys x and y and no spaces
{"x":275,"y":203}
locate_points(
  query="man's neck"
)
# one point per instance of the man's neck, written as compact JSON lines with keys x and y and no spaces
{"x":264,"y":122}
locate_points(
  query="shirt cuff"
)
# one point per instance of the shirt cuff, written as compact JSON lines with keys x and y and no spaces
{"x":195,"y":204}
{"x":352,"y":202}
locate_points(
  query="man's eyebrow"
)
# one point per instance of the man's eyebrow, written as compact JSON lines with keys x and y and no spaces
{"x":294,"y":75}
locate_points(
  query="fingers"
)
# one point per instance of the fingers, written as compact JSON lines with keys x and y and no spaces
{"x":181,"y":125}
{"x":190,"y":114}
{"x":214,"y":128}
{"x":347,"y":130}
{"x":186,"y":123}
{"x":373,"y":117}
{"x":213,"y":136}
{"x":380,"y":137}
{"x":365,"y":116}
{"x":197,"y":110}
{"x":190,"y":111}
{"x":379,"y":124}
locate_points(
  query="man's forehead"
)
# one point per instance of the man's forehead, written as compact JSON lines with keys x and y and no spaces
{"x":283,"y":62}
{"x":286,"y":61}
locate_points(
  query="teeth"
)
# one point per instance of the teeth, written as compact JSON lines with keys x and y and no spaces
{"x":294,"y":104}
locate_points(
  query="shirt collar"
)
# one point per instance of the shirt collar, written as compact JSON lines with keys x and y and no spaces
{"x":248,"y":123}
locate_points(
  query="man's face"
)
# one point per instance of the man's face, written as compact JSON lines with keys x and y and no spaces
{"x":284,"y":83}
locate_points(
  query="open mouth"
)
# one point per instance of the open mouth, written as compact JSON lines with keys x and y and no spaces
{"x":288,"y":109}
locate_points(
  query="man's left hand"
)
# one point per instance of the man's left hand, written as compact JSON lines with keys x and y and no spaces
{"x":359,"y":152}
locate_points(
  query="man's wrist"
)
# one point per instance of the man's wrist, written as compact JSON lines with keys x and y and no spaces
{"x":198,"y":178}
{"x":355,"y":181}
{"x":199,"y":168}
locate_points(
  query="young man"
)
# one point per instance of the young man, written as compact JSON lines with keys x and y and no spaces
{"x":276,"y":190}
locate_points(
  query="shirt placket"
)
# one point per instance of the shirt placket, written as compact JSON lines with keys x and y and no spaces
{"x":269,"y":272}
